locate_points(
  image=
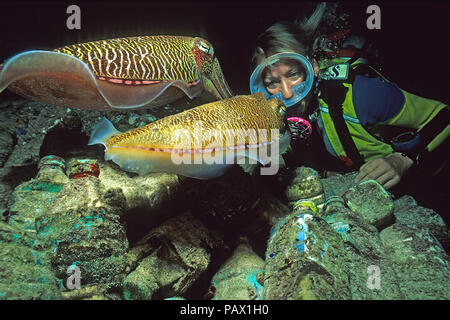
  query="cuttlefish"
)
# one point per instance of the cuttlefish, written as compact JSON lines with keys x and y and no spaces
{"x":123,"y":73}
{"x":202,"y":142}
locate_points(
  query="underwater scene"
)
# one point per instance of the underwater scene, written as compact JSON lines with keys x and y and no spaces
{"x":229,"y":150}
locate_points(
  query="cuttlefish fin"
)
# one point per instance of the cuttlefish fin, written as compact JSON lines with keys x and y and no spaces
{"x":102,"y":132}
{"x":47,"y":63}
{"x":122,"y":96}
{"x":67,"y":76}
{"x":144,"y":161}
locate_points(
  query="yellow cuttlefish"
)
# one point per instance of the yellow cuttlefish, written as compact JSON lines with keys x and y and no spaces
{"x":202,"y":142}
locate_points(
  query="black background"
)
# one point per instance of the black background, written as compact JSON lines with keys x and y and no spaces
{"x":414,"y":39}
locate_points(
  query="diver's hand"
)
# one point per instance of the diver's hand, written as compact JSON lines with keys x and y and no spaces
{"x":386,"y":171}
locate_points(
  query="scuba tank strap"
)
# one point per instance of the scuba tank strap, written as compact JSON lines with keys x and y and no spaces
{"x":333,"y":92}
{"x":436,"y":125}
{"x":434,"y":160}
{"x":363,"y":69}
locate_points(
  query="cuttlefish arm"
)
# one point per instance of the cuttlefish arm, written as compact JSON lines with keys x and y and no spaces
{"x":126,"y":73}
{"x":209,"y":67}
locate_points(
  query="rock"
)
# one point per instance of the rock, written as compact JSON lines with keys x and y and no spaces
{"x":24,"y":272}
{"x":175,"y":298}
{"x":363,"y":252}
{"x":28,"y":124}
{"x":149,"y":199}
{"x":407,"y":212}
{"x":97,"y":297}
{"x":31,"y":122}
{"x":372,"y":201}
{"x":25,"y":269}
{"x":52,"y":170}
{"x":82,"y":229}
{"x":261,"y":219}
{"x":304,"y":261}
{"x":15,"y":234}
{"x":139,"y":120}
{"x":240,"y":277}
{"x":421,"y":264}
{"x":32,"y":198}
{"x":169,"y":259}
{"x":151,"y":275}
{"x":87,"y":292}
{"x":338,"y":184}
{"x":114,"y":177}
{"x":160,"y":190}
{"x":305,"y":184}
{"x":5,"y":191}
{"x":6,"y":145}
{"x":226,"y":202}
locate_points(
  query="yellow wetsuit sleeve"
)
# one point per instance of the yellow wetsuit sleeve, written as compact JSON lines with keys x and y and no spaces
{"x":416,"y":113}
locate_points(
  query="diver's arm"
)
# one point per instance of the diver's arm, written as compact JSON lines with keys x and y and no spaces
{"x":431,"y":119}
{"x":382,"y":102}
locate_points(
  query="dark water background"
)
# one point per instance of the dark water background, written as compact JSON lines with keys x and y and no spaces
{"x":414,"y":39}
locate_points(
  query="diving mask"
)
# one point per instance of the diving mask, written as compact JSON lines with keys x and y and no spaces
{"x":299,"y":91}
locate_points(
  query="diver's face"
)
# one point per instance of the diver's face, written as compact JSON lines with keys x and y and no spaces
{"x":282,"y":77}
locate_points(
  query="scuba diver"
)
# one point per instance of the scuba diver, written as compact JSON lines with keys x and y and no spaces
{"x":345,"y":115}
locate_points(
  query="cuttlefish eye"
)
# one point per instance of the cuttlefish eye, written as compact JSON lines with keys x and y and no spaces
{"x":205,"y":47}
{"x":276,"y":105}
{"x":279,"y":106}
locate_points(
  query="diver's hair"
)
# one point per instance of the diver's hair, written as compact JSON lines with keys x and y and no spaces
{"x":298,"y":36}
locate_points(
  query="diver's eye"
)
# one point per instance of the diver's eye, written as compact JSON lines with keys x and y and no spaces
{"x":206,"y":48}
{"x":271,"y":84}
{"x":295,"y":75}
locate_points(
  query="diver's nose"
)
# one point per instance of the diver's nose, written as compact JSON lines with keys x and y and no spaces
{"x":286,"y":89}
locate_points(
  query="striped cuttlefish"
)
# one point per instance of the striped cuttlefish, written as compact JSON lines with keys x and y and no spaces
{"x":202,"y":142}
{"x":118,"y":74}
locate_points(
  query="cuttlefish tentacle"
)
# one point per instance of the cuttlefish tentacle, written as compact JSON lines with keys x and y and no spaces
{"x":208,"y":65}
{"x":124,"y":73}
{"x":209,"y":138}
